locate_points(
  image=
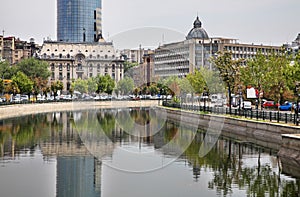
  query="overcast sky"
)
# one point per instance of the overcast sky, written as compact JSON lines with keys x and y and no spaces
{"x":271,"y":22}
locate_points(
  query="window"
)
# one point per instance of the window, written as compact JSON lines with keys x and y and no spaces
{"x":68,"y":67}
{"x":52,"y":67}
{"x":60,"y":55}
{"x":60,"y":76}
{"x":68,"y":55}
{"x":60,"y":67}
{"x":52,"y":55}
{"x":52,"y":76}
{"x":91,"y":75}
{"x":68,"y":76}
{"x":113,"y":68}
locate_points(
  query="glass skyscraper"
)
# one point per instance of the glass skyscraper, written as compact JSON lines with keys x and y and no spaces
{"x":78,"y":20}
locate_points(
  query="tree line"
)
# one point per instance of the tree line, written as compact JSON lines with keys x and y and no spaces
{"x":273,"y":75}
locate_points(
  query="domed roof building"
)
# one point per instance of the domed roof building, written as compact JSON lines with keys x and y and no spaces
{"x":197,"y":32}
{"x":184,"y":57}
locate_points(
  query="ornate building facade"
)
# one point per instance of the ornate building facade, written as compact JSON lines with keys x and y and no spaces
{"x":71,"y":61}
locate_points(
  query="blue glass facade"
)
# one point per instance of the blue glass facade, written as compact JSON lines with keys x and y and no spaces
{"x":78,"y":20}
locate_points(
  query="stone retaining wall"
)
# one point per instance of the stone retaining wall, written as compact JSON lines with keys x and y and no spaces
{"x":261,"y":133}
{"x":15,"y":110}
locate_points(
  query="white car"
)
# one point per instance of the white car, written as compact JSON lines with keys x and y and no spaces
{"x":247,"y":105}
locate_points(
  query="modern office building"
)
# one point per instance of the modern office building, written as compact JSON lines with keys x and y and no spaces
{"x":182,"y":58}
{"x":78,"y":20}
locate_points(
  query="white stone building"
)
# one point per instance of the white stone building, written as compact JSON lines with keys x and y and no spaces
{"x":71,"y":61}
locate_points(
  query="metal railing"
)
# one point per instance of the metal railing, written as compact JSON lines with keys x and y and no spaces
{"x":271,"y":116}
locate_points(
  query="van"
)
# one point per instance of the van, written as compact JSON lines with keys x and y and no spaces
{"x":214,"y":98}
{"x":247,"y":105}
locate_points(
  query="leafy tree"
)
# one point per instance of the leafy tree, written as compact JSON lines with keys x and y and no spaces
{"x":34,"y":68}
{"x":91,"y":85}
{"x":105,"y":84}
{"x":254,"y":74}
{"x":37,"y":71}
{"x":153,"y":89}
{"x":125,"y":85}
{"x":24,"y":84}
{"x":1,"y":85}
{"x":80,"y":85}
{"x":6,"y":71}
{"x":229,"y":71}
{"x":128,"y":68}
{"x":212,"y":80}
{"x":173,"y":85}
{"x":56,"y":86}
{"x":278,"y":76}
{"x":197,"y":81}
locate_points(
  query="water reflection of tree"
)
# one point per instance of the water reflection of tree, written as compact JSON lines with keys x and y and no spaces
{"x":21,"y":133}
{"x":228,"y":171}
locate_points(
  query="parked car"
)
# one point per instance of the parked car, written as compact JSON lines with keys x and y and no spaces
{"x":24,"y":98}
{"x":247,"y":105}
{"x":270,"y":104}
{"x":287,"y":106}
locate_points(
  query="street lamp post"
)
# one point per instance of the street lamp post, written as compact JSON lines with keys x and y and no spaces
{"x":240,"y":97}
{"x":297,"y":88}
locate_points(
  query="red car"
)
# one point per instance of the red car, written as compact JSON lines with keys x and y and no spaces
{"x":270,"y":104}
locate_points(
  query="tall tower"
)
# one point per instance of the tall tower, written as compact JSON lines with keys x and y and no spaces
{"x":78,"y":20}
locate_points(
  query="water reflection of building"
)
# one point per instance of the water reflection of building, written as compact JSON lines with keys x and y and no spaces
{"x":78,"y":176}
{"x":78,"y":172}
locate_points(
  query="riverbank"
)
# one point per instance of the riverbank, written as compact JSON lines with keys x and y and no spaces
{"x":247,"y":131}
{"x":15,"y":110}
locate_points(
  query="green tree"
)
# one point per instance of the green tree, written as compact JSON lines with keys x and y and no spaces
{"x":105,"y":84}
{"x":229,"y":70}
{"x":278,"y":76}
{"x":125,"y":85}
{"x":24,"y":84}
{"x":37,"y":71}
{"x":56,"y":86}
{"x":80,"y":85}
{"x":254,"y":74}
{"x":197,"y":81}
{"x":34,"y":68}
{"x":1,"y":85}
{"x":128,"y":68}
{"x":91,"y":85}
{"x":6,"y":71}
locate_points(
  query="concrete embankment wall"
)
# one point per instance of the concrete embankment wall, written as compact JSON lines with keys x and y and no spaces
{"x":289,"y":154}
{"x":260,"y":133}
{"x":9,"y":111}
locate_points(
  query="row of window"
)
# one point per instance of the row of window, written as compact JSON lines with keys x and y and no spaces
{"x":60,"y":66}
{"x":251,"y":49}
{"x":79,"y":51}
{"x":68,"y":56}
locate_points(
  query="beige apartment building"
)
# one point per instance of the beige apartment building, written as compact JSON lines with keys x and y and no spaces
{"x":182,"y":58}
{"x":14,"y":50}
{"x":70,"y":61}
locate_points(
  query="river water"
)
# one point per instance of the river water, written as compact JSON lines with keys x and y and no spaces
{"x":128,"y":153}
